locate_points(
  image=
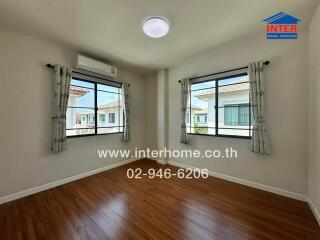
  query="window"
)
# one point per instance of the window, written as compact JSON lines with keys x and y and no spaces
{"x":112,"y":117}
{"x":89,"y":103}
{"x":201,"y":118}
{"x":91,"y":118}
{"x":188,"y":117}
{"x":102,"y":118}
{"x":236,"y":115}
{"x":220,"y":105}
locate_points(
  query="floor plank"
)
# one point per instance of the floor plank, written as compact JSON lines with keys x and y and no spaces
{"x":111,"y":206}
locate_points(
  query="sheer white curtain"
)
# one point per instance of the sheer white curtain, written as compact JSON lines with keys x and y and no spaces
{"x":61,"y":95}
{"x":125,"y":107}
{"x":259,"y":142}
{"x":185,"y":94}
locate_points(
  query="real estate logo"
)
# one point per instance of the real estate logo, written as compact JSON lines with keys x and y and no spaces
{"x":282,"y":26}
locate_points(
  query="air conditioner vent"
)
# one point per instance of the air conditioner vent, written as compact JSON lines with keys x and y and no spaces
{"x":88,"y":64}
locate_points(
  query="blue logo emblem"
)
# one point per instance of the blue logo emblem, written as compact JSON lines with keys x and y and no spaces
{"x":282,"y":26}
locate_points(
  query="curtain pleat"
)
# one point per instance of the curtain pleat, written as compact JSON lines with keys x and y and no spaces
{"x":125,"y":107}
{"x":259,"y":142}
{"x":61,"y":95}
{"x":185,"y":94}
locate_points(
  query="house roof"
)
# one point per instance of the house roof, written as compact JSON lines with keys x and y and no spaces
{"x":202,"y":111}
{"x":282,"y":18}
{"x":113,"y":104}
{"x":225,"y":89}
{"x":110,"y":105}
{"x":91,"y":113}
{"x":194,"y":107}
{"x":78,"y":91}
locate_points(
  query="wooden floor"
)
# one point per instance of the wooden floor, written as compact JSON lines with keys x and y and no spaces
{"x":111,"y":206}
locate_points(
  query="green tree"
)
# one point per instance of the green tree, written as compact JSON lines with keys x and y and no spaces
{"x":200,"y":130}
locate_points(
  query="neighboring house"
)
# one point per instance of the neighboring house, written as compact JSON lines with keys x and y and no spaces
{"x":72,"y":119}
{"x":195,"y":113}
{"x":233,"y":109}
{"x":201,"y":117}
{"x":109,"y":115}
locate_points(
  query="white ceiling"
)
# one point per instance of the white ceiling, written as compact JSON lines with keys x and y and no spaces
{"x":111,"y":29}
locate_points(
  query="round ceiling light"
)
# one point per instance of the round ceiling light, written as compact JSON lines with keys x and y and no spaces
{"x":156,"y":27}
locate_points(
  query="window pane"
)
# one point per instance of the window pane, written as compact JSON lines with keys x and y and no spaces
{"x":233,"y":80}
{"x":75,"y":132}
{"x":102,"y":87}
{"x":108,"y":130}
{"x":81,"y":109}
{"x":109,"y":110}
{"x":202,"y":112}
{"x":81,"y":97}
{"x":120,"y":113}
{"x":233,"y":110}
{"x":83,"y":84}
{"x":197,"y":86}
{"x":80,"y":118}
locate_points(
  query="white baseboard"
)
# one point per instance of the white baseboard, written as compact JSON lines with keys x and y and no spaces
{"x":160,"y":161}
{"x":46,"y":186}
{"x":278,"y":191}
{"x":153,"y":159}
{"x":163,"y":162}
{"x":314,"y":210}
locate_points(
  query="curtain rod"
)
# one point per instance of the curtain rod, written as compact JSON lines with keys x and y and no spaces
{"x":212,"y":74}
{"x":52,"y":66}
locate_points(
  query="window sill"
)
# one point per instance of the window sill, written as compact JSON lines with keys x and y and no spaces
{"x":221,"y":136}
{"x":91,"y":135}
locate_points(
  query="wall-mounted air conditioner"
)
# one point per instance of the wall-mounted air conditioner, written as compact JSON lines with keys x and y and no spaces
{"x":88,"y":64}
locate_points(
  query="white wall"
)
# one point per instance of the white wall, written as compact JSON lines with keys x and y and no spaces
{"x":151,"y":110}
{"x":286,"y":109}
{"x":314,"y":111}
{"x":162,"y":110}
{"x":26,"y":111}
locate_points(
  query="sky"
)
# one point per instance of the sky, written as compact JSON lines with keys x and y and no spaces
{"x":106,"y":97}
{"x":88,"y":99}
{"x":211,"y":84}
